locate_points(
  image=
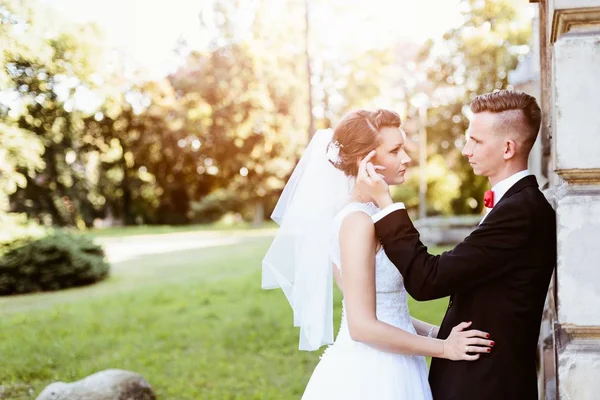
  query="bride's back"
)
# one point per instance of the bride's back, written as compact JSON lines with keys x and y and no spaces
{"x":391,"y":296}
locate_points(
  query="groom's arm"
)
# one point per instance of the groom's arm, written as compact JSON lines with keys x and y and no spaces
{"x":482,"y":256}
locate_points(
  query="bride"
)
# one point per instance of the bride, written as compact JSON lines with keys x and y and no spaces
{"x":326,"y":233}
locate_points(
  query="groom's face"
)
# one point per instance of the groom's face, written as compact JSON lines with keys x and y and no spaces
{"x":484,"y":147}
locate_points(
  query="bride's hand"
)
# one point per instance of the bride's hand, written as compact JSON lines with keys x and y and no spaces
{"x":461,"y":343}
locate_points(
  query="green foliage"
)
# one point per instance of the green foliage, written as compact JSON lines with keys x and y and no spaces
{"x":17,"y":230}
{"x":20,"y":155}
{"x":50,"y":67}
{"x":54,"y":262}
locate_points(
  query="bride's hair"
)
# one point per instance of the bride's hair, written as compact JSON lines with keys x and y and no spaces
{"x":357,"y":134}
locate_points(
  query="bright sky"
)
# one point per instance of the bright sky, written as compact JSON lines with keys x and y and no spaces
{"x":148,"y":29}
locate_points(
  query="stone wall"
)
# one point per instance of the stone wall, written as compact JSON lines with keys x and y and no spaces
{"x":570,"y":60}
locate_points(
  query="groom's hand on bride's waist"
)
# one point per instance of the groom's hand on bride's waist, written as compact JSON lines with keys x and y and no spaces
{"x":370,"y":182}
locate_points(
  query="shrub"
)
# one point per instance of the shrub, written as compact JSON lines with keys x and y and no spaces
{"x":54,"y":262}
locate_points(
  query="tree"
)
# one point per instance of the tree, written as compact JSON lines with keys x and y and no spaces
{"x":311,"y":118}
{"x":240,"y":119}
{"x":52,"y":71}
{"x":20,"y":154}
{"x":471,"y":59}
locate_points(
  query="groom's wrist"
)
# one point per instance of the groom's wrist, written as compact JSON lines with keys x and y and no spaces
{"x":385,"y":211}
{"x":384,"y":201}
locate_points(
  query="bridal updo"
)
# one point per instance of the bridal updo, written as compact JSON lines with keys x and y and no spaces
{"x":357,"y":134}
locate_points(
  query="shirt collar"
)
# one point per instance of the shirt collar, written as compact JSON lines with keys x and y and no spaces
{"x":503,"y":186}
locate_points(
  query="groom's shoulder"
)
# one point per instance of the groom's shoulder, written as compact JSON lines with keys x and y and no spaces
{"x":518,"y":203}
{"x":533,"y":196}
{"x":529,"y":200}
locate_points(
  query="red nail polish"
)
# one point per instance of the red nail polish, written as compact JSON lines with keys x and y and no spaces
{"x":493,"y":344}
{"x":488,"y":350}
{"x":487,"y":335}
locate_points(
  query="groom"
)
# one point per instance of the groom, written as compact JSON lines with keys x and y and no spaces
{"x":498,"y":276}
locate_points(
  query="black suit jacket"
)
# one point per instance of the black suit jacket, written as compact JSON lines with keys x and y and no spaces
{"x":498,"y":277}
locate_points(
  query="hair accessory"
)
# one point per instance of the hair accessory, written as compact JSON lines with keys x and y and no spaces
{"x":333,"y":153}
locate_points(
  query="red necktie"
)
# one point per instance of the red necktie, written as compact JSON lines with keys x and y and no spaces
{"x":488,"y":199}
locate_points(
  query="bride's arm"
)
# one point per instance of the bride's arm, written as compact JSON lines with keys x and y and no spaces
{"x":357,"y":242}
{"x":425,"y":329}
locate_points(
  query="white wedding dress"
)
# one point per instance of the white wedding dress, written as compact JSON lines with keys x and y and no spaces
{"x":352,"y":370}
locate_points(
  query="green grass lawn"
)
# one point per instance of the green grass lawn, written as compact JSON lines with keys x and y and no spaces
{"x":194,"y":323}
{"x":120,"y":231}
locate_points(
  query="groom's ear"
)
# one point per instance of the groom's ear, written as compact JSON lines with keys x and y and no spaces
{"x":510,"y":149}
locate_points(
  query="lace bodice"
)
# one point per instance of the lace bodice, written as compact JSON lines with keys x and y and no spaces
{"x":391,"y":296}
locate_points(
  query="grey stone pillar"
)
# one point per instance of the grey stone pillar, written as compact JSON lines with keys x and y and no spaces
{"x":570,"y":61}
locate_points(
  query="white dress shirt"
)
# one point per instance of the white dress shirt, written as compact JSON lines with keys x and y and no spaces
{"x":503,"y":186}
{"x":389,"y":209}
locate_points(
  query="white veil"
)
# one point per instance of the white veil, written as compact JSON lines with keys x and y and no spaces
{"x":298,"y":260}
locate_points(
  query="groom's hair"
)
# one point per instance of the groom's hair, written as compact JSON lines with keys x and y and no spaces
{"x":520,"y":115}
{"x":357,"y":134}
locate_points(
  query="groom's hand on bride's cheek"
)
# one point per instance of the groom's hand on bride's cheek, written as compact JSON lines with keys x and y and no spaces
{"x":369,"y":181}
{"x":373,"y":170}
{"x":381,"y":192}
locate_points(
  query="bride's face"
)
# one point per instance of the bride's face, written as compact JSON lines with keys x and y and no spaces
{"x":392,"y":155}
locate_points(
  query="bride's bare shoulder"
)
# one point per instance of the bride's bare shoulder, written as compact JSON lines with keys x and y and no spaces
{"x":357,"y":224}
